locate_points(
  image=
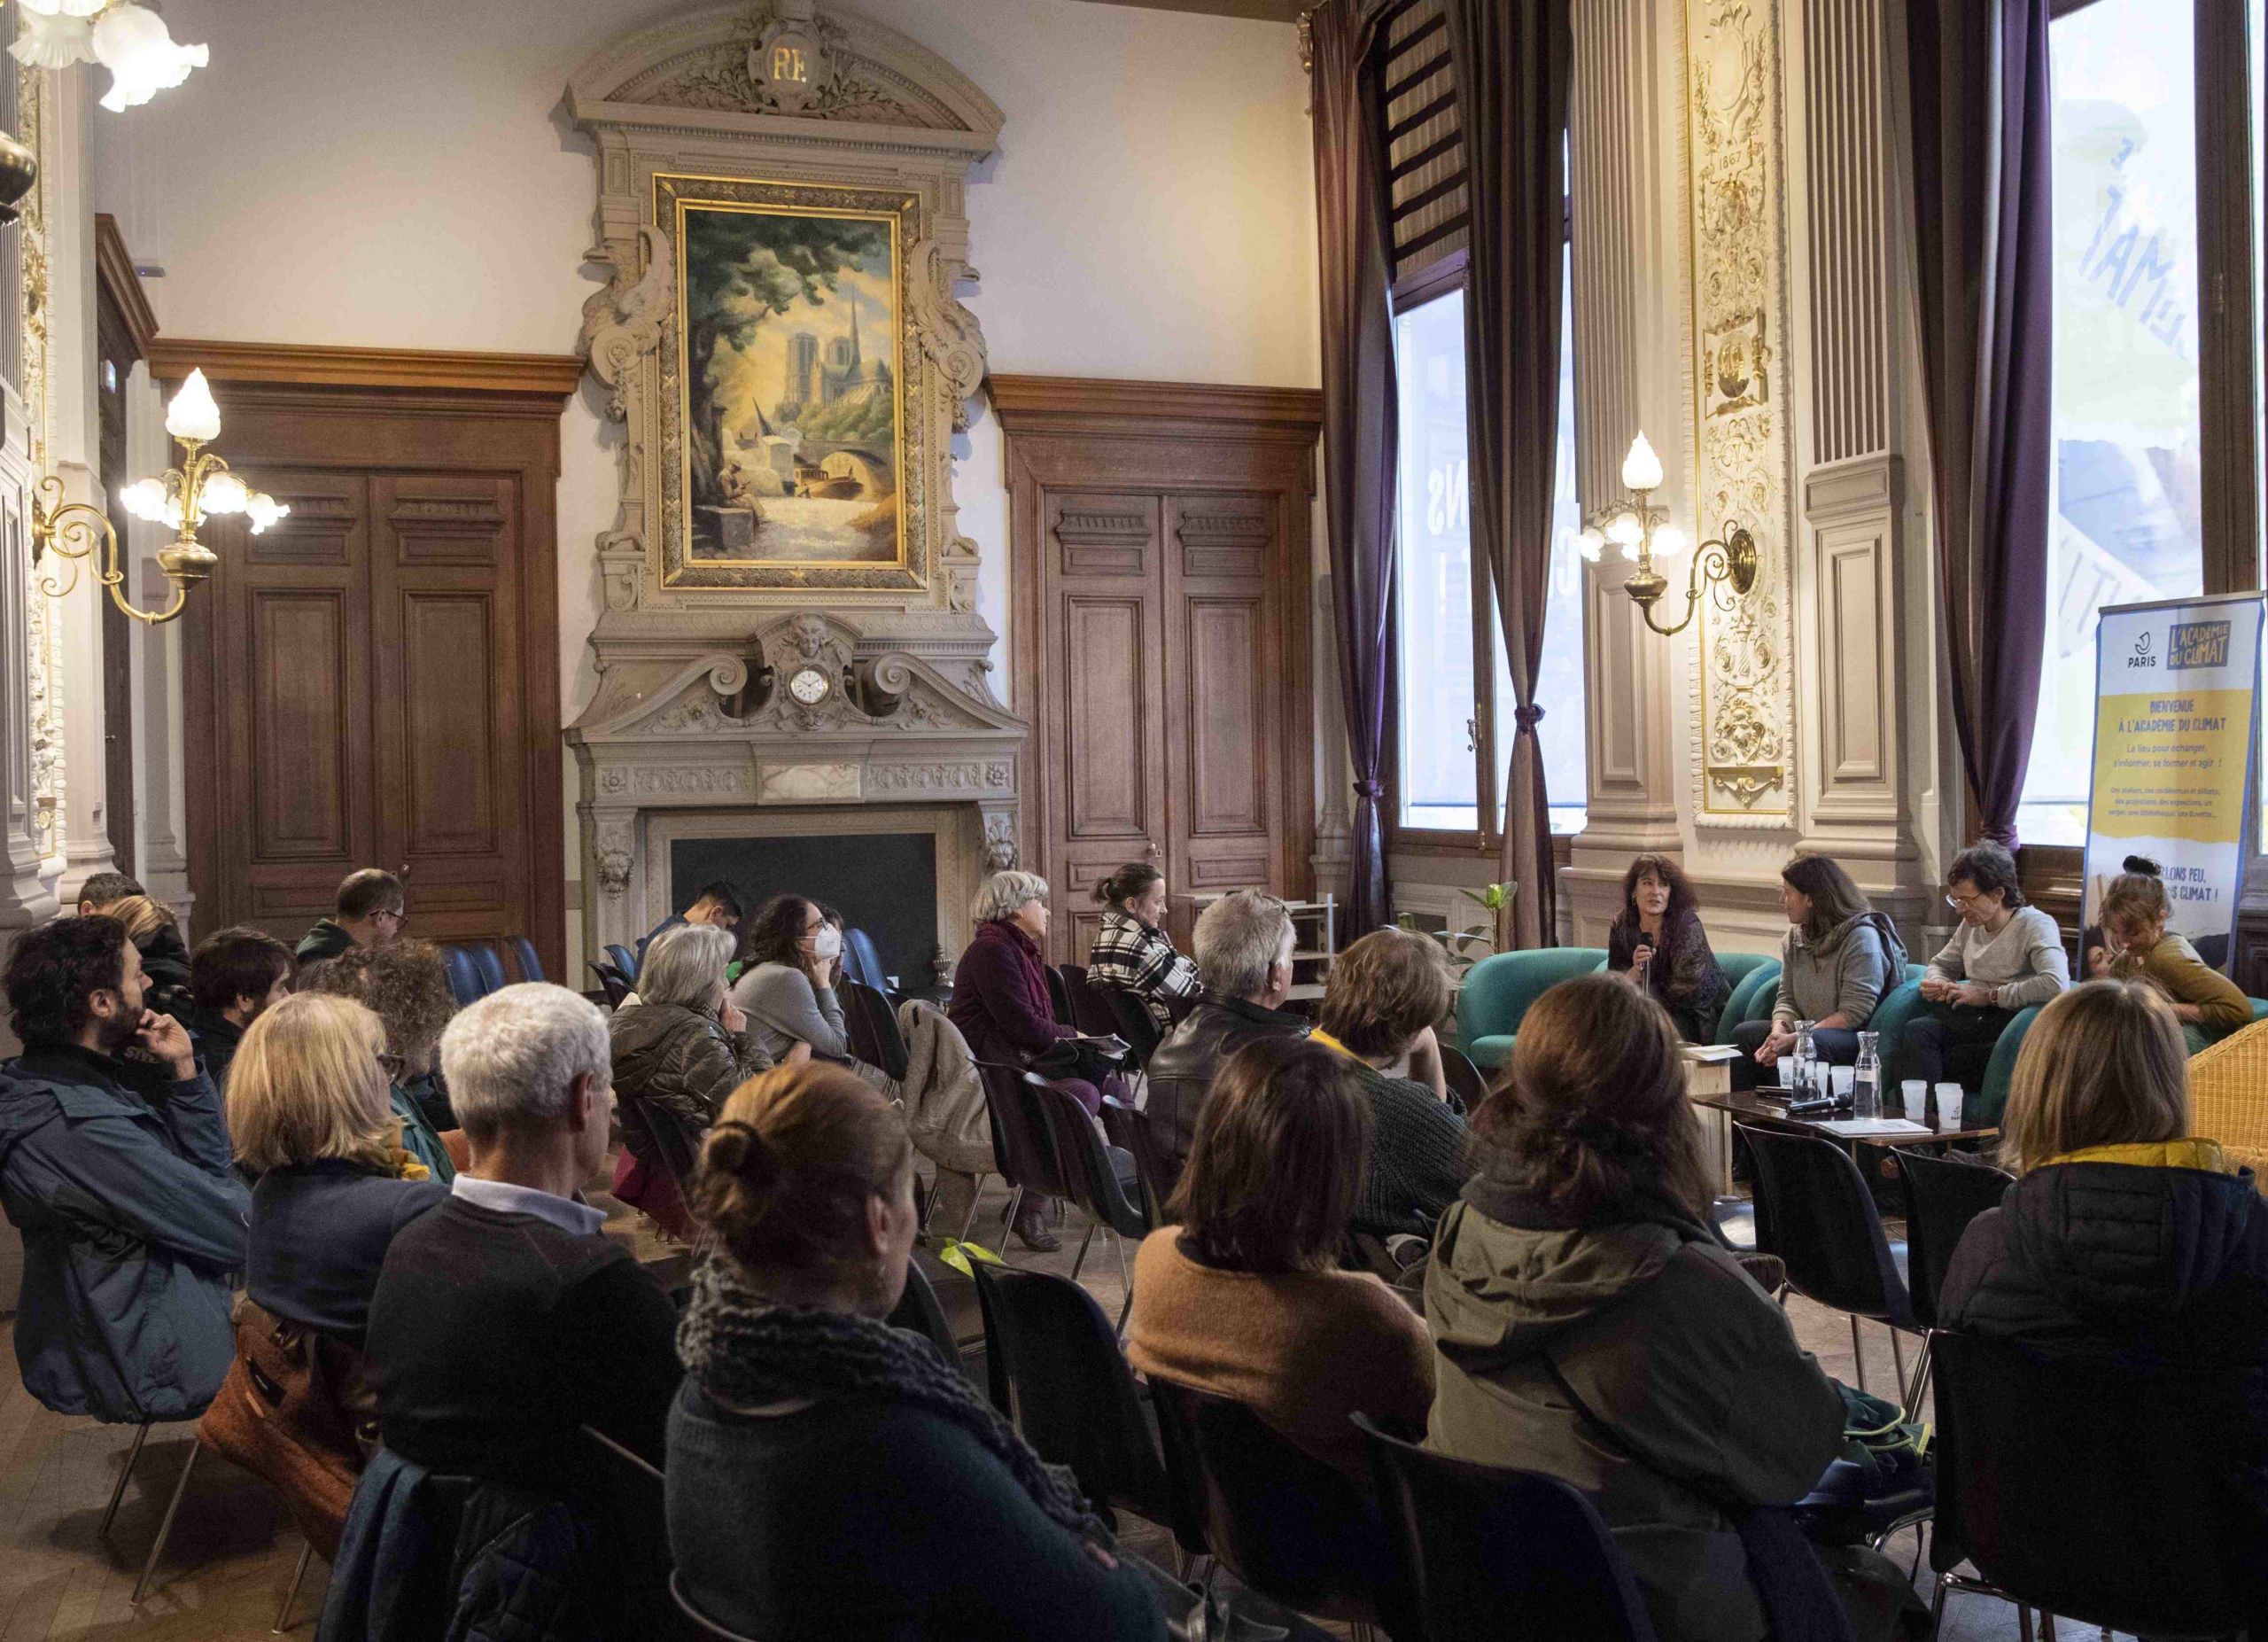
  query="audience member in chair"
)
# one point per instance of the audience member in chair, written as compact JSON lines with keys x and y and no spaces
{"x":105,"y":889}
{"x":1003,"y":1006}
{"x":156,"y":934}
{"x":718,"y":905}
{"x":1131,"y":951}
{"x":1244,"y":945}
{"x":236,"y":976}
{"x":682,"y":1048}
{"x":1379,"y":1009}
{"x":405,"y":984}
{"x":370,"y":912}
{"x":1242,"y":1294}
{"x":788,"y":989}
{"x":1839,"y":960}
{"x":311,"y":1114}
{"x":2125,"y":1238}
{"x":2005,"y":957}
{"x":1592,"y":1326}
{"x":2209,"y":1005}
{"x":132,"y":1216}
{"x":1658,"y":943}
{"x":833,"y":1478}
{"x":505,"y":1319}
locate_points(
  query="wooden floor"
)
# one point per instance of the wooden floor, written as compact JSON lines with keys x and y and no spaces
{"x":232,"y":1550}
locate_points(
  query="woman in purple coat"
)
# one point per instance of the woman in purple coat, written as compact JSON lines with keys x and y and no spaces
{"x":1002,"y":1005}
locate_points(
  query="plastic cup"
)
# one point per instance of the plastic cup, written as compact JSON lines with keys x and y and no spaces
{"x":1843,"y":1078}
{"x":1916,"y":1092}
{"x":1949,"y":1106}
{"x":1787,"y":1065}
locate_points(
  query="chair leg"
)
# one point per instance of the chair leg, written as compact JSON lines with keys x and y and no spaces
{"x":1896,"y":1359}
{"x":1920,"y":1380}
{"x":1124,"y":1312}
{"x":2023,"y":1623}
{"x":133,"y":1454}
{"x":165,"y":1528}
{"x":1008,"y":1219}
{"x":1858,"y":1351}
{"x":293,"y":1595}
{"x":1937,"y":1605}
{"x":2047,"y":1626}
{"x":1125,"y":1281}
{"x":1080,"y":1259}
{"x":968,"y":1220}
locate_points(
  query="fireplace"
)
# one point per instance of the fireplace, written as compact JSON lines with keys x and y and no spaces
{"x":695,"y":752}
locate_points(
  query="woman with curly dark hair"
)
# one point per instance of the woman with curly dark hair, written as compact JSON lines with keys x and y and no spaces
{"x":1591,"y":1324}
{"x":1658,"y":943}
{"x":406,"y":985}
{"x":794,"y":953}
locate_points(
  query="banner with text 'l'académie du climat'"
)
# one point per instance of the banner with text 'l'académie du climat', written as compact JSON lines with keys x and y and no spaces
{"x":2177,"y":687}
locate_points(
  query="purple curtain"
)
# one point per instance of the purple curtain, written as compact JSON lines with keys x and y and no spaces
{"x":1359,"y":426}
{"x":1513,"y":60}
{"x":1978,"y":71}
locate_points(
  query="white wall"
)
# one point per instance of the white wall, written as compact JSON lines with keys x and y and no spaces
{"x":405,"y":176}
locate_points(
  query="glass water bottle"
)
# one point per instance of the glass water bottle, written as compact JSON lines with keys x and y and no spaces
{"x":1866,"y":1079}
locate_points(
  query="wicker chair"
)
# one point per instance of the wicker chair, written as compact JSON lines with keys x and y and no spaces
{"x":2228,"y":1096}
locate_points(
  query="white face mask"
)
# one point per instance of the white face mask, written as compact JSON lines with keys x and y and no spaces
{"x":827,"y":942}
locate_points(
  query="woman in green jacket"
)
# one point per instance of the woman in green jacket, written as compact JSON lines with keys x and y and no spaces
{"x":1591,"y":1325}
{"x":2134,"y":913}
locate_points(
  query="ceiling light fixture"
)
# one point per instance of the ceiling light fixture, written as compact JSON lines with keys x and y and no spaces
{"x":129,"y":39}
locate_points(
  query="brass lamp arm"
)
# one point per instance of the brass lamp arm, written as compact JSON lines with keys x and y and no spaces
{"x":69,"y":530}
{"x":1730,"y":560}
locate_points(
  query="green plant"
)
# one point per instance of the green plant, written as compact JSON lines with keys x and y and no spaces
{"x":1467,"y":948}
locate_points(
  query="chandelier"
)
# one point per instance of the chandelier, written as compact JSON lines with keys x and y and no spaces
{"x":200,"y":487}
{"x":1727,"y":565}
{"x":129,"y":40}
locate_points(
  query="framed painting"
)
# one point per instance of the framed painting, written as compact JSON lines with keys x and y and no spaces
{"x":790,"y":457}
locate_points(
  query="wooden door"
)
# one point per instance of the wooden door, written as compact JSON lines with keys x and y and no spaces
{"x":1159,"y":553}
{"x":373,"y":682}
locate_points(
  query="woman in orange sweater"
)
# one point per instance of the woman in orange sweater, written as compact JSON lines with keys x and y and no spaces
{"x":1242,"y":1297}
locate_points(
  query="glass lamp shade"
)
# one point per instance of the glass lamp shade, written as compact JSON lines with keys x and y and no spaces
{"x":1591,"y":544}
{"x":223,"y":493}
{"x":63,"y":8}
{"x":1669,"y":541}
{"x":263,"y":510}
{"x":144,"y":498}
{"x":1624,"y":530}
{"x":52,"y":40}
{"x":193,"y":414}
{"x":1641,"y":469}
{"x":134,"y":44}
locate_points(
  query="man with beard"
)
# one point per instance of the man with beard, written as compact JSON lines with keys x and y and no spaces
{"x":132,"y":1218}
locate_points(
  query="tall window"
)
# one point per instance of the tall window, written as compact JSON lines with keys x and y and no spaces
{"x":2128,"y":474}
{"x":1456,"y":723}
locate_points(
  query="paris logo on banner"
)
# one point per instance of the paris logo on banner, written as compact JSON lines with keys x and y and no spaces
{"x":2177,"y":704}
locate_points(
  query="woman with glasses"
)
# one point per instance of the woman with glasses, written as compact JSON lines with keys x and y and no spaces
{"x":2004,"y":957}
{"x":406,"y":986}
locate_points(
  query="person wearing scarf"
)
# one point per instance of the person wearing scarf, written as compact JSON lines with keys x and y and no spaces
{"x":830,"y":1476}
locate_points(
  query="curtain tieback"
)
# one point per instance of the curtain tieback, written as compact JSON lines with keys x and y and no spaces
{"x":1369,"y":790}
{"x":1527,"y":718}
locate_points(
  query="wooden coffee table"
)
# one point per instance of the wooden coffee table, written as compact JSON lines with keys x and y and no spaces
{"x":1709,"y":1085}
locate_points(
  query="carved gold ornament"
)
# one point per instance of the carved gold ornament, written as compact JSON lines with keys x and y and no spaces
{"x":1726,"y":566}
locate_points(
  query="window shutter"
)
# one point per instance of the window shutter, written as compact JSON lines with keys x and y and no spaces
{"x":1424,"y":146}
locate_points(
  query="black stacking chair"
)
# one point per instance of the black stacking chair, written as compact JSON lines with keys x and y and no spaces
{"x":1133,"y":1021}
{"x":1941,"y":1199}
{"x":1102,"y":1181}
{"x":530,"y":966}
{"x":487,"y":966}
{"x":866,"y":1009}
{"x":610,"y":982}
{"x":1088,"y":1012}
{"x":2139,"y":1528}
{"x":1073,"y":1397}
{"x":1282,"y":1521}
{"x":1464,"y":1078}
{"x":639,"y":1517}
{"x":1129,"y":1130}
{"x":704,"y":1626}
{"x":1824,"y":1225}
{"x":1489,"y":1554}
{"x":861,"y":962}
{"x":918,"y":1309}
{"x":1022,"y":1144}
{"x":1059,"y":998}
{"x":624,"y":960}
{"x":1177,"y":1009}
{"x":464,"y":980}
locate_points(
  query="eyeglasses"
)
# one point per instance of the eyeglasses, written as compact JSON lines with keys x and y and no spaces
{"x":400,"y":917}
{"x":1959,"y":901}
{"x":392,"y":1065}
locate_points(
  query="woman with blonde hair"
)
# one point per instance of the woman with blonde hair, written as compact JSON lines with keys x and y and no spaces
{"x":1591,"y":1324}
{"x":2134,"y":914}
{"x":2123,"y":1232}
{"x":156,"y":934}
{"x":310,"y":1112}
{"x":802,"y":1412}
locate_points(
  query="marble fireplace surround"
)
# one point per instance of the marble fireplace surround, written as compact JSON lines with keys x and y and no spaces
{"x":694,"y":735}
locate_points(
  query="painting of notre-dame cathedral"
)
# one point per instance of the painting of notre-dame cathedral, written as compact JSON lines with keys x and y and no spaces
{"x":791,"y":411}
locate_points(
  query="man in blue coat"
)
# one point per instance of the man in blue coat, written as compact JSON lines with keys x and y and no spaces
{"x":132,"y":1218}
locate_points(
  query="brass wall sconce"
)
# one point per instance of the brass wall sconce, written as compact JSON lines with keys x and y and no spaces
{"x":182,"y":500}
{"x":1726,"y":565}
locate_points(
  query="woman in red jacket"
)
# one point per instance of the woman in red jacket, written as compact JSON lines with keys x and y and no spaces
{"x":1002,"y":1005}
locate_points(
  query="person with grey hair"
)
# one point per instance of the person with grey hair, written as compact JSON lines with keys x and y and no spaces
{"x":1003,"y":1006}
{"x":678,"y":1052}
{"x":504,"y":1320}
{"x":1244,"y":945}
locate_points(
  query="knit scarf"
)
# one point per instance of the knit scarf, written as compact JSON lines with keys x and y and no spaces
{"x":747,"y":1348}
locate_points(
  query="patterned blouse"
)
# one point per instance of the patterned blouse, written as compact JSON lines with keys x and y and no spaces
{"x":1130,"y":953}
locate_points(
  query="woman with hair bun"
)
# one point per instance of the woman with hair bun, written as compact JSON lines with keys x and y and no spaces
{"x":2134,"y":913}
{"x":830,"y":1476}
{"x":1131,"y":951}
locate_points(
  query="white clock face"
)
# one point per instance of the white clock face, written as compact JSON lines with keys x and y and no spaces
{"x":808,"y":687}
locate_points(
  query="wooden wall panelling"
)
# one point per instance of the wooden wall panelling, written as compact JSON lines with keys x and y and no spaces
{"x":374,"y":682}
{"x":1158,"y":566}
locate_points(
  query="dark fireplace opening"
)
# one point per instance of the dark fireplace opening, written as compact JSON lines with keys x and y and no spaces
{"x":883,"y":883}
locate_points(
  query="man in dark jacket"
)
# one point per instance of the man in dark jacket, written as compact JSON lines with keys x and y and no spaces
{"x":370,"y":912}
{"x":235,"y":977}
{"x":1244,"y":945}
{"x":132,"y":1218}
